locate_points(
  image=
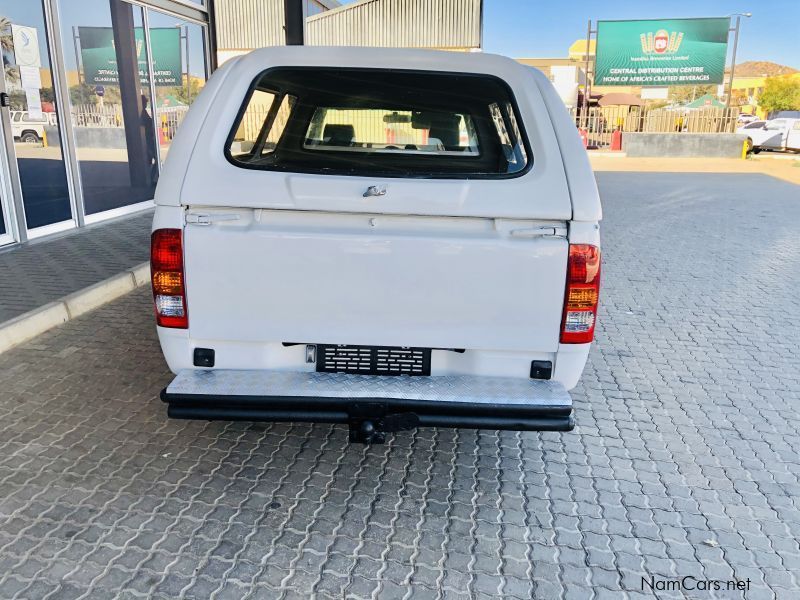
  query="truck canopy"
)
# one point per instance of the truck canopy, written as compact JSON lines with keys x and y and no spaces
{"x":203,"y":165}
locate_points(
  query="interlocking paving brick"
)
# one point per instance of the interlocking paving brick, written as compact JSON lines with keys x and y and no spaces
{"x":684,"y":462}
{"x":45,"y":270}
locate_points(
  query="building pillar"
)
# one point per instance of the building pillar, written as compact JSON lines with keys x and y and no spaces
{"x":294,"y":22}
{"x":139,"y":164}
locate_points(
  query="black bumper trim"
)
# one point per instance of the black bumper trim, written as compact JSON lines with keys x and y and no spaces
{"x":516,"y":417}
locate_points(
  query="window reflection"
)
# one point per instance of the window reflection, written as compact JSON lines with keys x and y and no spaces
{"x":178,"y":81}
{"x":111,"y":107}
{"x":123,"y":123}
{"x":29,"y":84}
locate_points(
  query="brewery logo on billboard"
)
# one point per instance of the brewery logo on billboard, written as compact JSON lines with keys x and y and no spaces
{"x":661,"y":52}
{"x":662,"y":42}
{"x":98,"y":50}
{"x":139,"y":47}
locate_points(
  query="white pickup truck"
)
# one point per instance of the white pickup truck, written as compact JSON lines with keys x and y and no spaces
{"x":377,"y":237}
{"x":777,"y":134}
{"x":30,"y":129}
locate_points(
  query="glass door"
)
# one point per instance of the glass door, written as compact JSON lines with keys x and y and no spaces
{"x":111,"y":105}
{"x":7,"y":224}
{"x":36,"y":156}
{"x":6,"y":236}
{"x":179,"y":62}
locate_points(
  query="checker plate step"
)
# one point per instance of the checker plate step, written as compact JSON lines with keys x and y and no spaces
{"x":444,"y":388}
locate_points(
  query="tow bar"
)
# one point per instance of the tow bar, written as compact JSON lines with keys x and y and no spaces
{"x":369,"y":422}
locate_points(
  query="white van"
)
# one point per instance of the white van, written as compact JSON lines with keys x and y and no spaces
{"x":379,"y":237}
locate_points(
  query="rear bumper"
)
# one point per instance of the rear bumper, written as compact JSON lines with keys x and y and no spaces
{"x":392,"y":402}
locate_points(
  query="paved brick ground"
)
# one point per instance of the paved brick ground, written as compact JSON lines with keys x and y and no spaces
{"x":686,"y":459}
{"x":45,"y":270}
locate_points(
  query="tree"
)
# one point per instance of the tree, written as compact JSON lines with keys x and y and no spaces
{"x":17,"y":100}
{"x":688,"y":93}
{"x":655,"y":104}
{"x":82,"y":94}
{"x":188,"y":96}
{"x":780,"y":93}
{"x":47,"y":95}
{"x":7,"y":50}
{"x":739,"y":98}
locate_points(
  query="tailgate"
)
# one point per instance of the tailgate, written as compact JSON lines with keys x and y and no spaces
{"x":257,"y":275}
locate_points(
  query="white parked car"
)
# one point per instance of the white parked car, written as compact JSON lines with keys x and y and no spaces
{"x":379,"y":237}
{"x":777,"y":134}
{"x":27,"y":128}
{"x":745,"y":118}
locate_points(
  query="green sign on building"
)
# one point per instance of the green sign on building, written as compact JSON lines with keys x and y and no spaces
{"x":661,"y":52}
{"x":100,"y":59}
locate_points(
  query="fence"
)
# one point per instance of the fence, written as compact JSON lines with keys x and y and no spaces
{"x":167,"y":119}
{"x":94,"y":115}
{"x":600,"y":122}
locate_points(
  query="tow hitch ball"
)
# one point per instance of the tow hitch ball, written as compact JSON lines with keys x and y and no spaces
{"x":369,"y":424}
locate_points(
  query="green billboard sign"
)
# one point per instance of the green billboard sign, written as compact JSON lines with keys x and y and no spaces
{"x":99,"y":57}
{"x":661,"y":52}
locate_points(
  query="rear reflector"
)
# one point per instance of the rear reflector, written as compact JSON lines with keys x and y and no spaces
{"x":166,"y":275}
{"x":582,"y":293}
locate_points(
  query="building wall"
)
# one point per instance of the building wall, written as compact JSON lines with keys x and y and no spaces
{"x":752,"y":88}
{"x":577,"y":51}
{"x":566,"y":74}
{"x":243,"y":25}
{"x":248,"y":24}
{"x":443,"y":24}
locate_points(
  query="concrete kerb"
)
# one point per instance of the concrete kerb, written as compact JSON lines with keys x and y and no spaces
{"x":27,"y":326}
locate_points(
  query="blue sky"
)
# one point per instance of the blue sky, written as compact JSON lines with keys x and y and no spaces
{"x":546,"y":28}
{"x":532,"y":28}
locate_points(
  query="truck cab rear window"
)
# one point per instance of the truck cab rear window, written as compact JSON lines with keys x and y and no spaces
{"x":379,"y":122}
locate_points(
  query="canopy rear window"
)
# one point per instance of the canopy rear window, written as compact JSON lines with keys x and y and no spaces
{"x":379,"y":122}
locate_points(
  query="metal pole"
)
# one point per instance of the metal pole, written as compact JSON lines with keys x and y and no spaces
{"x":151,"y":77}
{"x":480,"y":32}
{"x":63,"y":110}
{"x":210,"y":39}
{"x":76,"y":42}
{"x":733,"y":64}
{"x":188,"y":76}
{"x":293,"y":22}
{"x":585,"y":108}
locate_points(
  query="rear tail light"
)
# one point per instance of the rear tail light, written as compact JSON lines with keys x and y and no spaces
{"x":583,"y":290}
{"x":166,"y":275}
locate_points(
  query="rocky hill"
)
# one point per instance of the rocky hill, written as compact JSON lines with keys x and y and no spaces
{"x":760,"y":68}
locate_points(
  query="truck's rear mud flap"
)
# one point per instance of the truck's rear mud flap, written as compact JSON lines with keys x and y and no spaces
{"x":371,"y":405}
